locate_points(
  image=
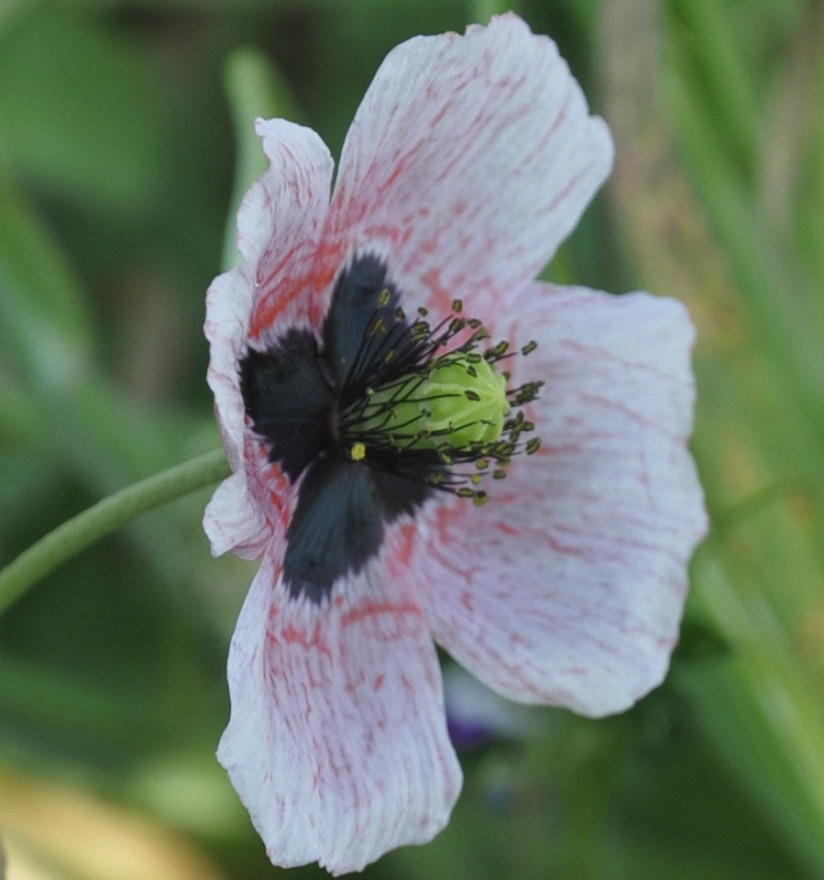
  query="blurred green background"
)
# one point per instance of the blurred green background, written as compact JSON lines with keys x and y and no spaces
{"x":125,"y":137}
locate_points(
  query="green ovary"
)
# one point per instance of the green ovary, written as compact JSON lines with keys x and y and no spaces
{"x":458,"y":403}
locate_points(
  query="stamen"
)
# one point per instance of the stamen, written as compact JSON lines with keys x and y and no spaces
{"x":425,"y":415}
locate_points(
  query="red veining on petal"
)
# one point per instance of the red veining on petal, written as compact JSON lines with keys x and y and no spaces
{"x":275,"y":302}
{"x":441,"y":294}
{"x":407,"y":684}
{"x":609,"y":404}
{"x":397,"y":171}
{"x":296,"y":280}
{"x":374,"y":609}
{"x":278,"y":483}
{"x":567,"y":549}
{"x":450,"y":525}
{"x":405,"y":546}
{"x":276,"y":270}
{"x":294,"y":636}
{"x":387,"y":232}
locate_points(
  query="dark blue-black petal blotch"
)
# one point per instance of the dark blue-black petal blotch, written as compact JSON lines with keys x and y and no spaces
{"x":293,"y":393}
{"x":374,"y":417}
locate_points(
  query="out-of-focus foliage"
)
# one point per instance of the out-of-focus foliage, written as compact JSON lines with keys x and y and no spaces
{"x":125,"y":137}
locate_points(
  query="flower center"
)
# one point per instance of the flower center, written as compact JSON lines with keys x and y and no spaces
{"x":373,"y":415}
{"x":429,"y":413}
{"x":456,"y":402}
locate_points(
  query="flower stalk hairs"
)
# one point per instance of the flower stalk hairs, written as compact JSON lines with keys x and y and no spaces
{"x":430,"y":447}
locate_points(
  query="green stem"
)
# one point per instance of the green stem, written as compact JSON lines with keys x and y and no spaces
{"x":76,"y":534}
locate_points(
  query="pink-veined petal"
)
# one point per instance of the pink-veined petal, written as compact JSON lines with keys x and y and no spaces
{"x":279,"y":227}
{"x":228,"y":304}
{"x":567,"y":588}
{"x":469,"y":160}
{"x":233,"y":521}
{"x":282,"y":225}
{"x":337,"y":742}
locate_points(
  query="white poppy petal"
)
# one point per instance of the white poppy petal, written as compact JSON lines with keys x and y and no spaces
{"x":233,"y":521}
{"x":567,"y":588}
{"x":337,"y":742}
{"x":279,"y":225}
{"x":469,"y":160}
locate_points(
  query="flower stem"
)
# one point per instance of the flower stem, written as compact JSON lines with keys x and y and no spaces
{"x":74,"y":535}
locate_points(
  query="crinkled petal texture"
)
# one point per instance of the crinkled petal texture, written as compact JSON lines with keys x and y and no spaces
{"x":337,"y":742}
{"x":469,"y":161}
{"x":567,"y":588}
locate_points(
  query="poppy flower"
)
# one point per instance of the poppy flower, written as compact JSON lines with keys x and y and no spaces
{"x":383,"y":361}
